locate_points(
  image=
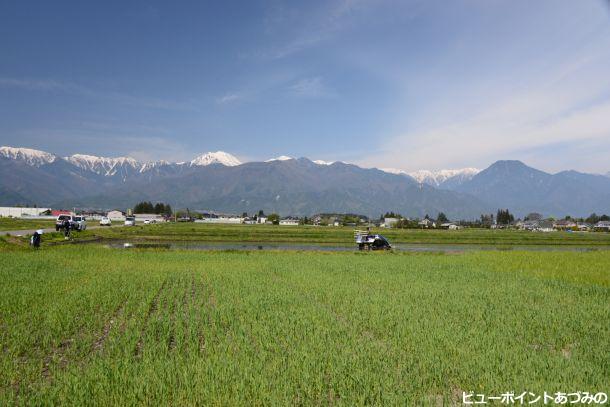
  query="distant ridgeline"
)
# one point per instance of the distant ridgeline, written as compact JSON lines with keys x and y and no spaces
{"x":300,"y":187}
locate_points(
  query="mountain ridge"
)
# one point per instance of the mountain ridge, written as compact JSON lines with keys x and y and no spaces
{"x":298,"y":186}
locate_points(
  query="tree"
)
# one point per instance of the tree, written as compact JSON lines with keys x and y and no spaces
{"x":593,"y":218}
{"x":442,"y":218}
{"x":261,"y":214}
{"x":144,"y":207}
{"x":533,"y":216}
{"x":504,"y":217}
{"x":274,"y":218}
{"x":604,"y":218}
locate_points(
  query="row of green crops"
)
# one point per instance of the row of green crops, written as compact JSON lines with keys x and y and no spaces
{"x":333,"y":235}
{"x":19,"y":223}
{"x":92,"y":325}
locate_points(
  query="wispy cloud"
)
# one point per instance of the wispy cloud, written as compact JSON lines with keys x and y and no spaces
{"x":229,"y":98}
{"x":313,"y":27}
{"x":50,"y":85}
{"x":311,"y":88}
{"x":566,"y":102}
{"x":31,"y":84}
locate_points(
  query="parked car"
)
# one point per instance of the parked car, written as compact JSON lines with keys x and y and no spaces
{"x":59,"y":222}
{"x":147,"y":221}
{"x":80,"y":223}
{"x":130,"y":221}
{"x":105,"y":221}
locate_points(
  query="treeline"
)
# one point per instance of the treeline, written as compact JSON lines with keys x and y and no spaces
{"x":147,"y":207}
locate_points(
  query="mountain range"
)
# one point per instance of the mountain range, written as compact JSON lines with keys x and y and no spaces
{"x":219,"y":181}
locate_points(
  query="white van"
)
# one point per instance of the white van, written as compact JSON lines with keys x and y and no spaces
{"x":80,"y":223}
{"x":130,"y":221}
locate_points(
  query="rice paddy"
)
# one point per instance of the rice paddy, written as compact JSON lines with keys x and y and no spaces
{"x":91,"y":325}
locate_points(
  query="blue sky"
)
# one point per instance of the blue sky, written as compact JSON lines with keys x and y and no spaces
{"x":403,"y":84}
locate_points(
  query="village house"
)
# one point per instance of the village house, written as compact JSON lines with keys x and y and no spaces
{"x":289,"y":222}
{"x":602,"y":226}
{"x":426,"y":224}
{"x":564,"y":224}
{"x":450,"y":226}
{"x":389,"y":222}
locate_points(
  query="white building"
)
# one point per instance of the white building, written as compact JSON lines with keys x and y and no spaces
{"x":389,"y":222}
{"x":116,"y":215}
{"x":141,"y":217}
{"x":289,"y":222}
{"x":221,"y":219}
{"x":15,"y":212}
{"x":426,"y":223}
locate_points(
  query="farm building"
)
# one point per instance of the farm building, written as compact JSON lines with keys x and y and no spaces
{"x":289,"y":222}
{"x":116,"y":215}
{"x":602,"y":226}
{"x":564,"y":224}
{"x":450,"y":226}
{"x":389,"y":222}
{"x":15,"y":212}
{"x":221,"y":219}
{"x":150,"y":216}
{"x":426,"y":223}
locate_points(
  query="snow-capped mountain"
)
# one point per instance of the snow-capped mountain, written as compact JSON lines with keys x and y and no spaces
{"x":444,"y":178}
{"x":322,"y":162}
{"x":394,"y":171}
{"x":280,"y":158}
{"x":32,"y":157}
{"x":106,"y":166}
{"x":219,"y":157}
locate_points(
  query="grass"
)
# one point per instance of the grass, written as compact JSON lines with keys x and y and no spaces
{"x":92,"y":325}
{"x":25,"y":224}
{"x":338,"y":235}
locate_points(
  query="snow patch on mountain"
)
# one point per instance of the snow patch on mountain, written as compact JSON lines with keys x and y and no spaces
{"x":437,"y":178}
{"x":280,"y":158}
{"x":30,"y":156}
{"x":395,"y":171}
{"x":322,"y":162}
{"x":219,"y":157}
{"x":153,"y":165}
{"x":107,"y":166}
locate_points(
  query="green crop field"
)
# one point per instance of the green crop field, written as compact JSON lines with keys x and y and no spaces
{"x":334,"y":235}
{"x":19,"y":224}
{"x":83,"y":325}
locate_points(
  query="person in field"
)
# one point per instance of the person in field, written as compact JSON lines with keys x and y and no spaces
{"x":35,"y":240}
{"x":67,"y":226}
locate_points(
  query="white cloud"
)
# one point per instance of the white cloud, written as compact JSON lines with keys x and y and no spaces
{"x":311,"y":87}
{"x":49,"y":85}
{"x":566,"y":101}
{"x":307,"y":29}
{"x":229,"y":98}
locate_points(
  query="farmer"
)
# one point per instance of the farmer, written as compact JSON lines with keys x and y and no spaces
{"x":35,"y":240}
{"x":66,"y":226}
